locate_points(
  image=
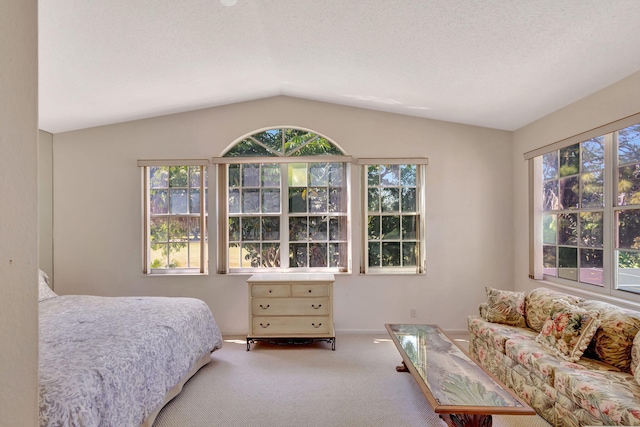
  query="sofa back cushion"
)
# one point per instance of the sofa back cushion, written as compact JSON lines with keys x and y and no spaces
{"x":613,"y":340}
{"x":635,"y":358}
{"x":539,"y":303}
{"x":506,"y":307}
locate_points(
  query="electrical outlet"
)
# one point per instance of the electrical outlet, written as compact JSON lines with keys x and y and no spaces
{"x":413,"y":312}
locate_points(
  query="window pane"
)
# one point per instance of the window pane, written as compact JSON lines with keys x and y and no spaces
{"x":570,"y":160}
{"x":318,"y":228}
{"x":629,"y":185}
{"x":194,"y":201}
{"x":568,"y":263}
{"x":591,"y":266}
{"x":409,"y":227}
{"x":408,"y":175}
{"x":270,"y":175}
{"x":550,"y":165}
{"x":297,"y":228}
{"x":373,"y":204}
{"x":629,"y":145}
{"x":159,"y":176}
{"x":336,"y":174}
{"x":178,"y":201}
{"x":194,"y":229}
{"x":158,"y":202}
{"x":272,"y":138}
{"x":593,"y":154}
{"x":373,"y":227}
{"x":317,"y":255}
{"x":250,"y":256}
{"x":390,"y":227}
{"x":568,"y":229}
{"x":569,"y":190}
{"x":390,"y":175}
{"x":390,"y":254}
{"x":550,"y":196}
{"x":178,"y":229}
{"x":317,"y":199}
{"x":549,"y":260}
{"x":337,"y":201}
{"x":159,"y":256}
{"x":248,"y":148}
{"x":373,"y":175}
{"x":271,"y":201}
{"x":251,"y":175}
{"x":318,"y":174}
{"x":591,"y":229}
{"x":295,"y":138}
{"x":628,"y":225}
{"x":409,"y":251}
{"x":338,"y":228}
{"x":234,"y":255}
{"x":549,"y":229}
{"x":270,"y":228}
{"x":297,"y":174}
{"x":408,"y":200}
{"x":234,"y":175}
{"x":194,"y":176}
{"x":593,"y":189}
{"x":336,"y":251}
{"x":298,"y":255}
{"x":251,"y":201}
{"x":159,"y":230}
{"x":178,"y":176}
{"x":250,"y":228}
{"x":629,"y":271}
{"x":270,"y":255}
{"x":374,"y":254}
{"x":297,"y":200}
{"x":390,"y":199}
{"x":234,"y":229}
{"x":234,"y":201}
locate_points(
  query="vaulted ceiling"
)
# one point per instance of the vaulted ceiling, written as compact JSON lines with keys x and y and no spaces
{"x":494,"y":63}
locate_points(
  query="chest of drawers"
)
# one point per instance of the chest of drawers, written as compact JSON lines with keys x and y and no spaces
{"x":291,"y":308}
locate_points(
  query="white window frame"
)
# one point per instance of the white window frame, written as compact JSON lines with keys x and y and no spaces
{"x":421,"y":262}
{"x":145,"y":166}
{"x":610,"y":286}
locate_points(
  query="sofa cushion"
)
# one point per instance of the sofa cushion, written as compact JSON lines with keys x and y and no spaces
{"x":497,"y":334}
{"x":635,"y":358}
{"x":540,"y":301}
{"x":612,"y":396}
{"x":568,"y":331}
{"x":613,"y":340}
{"x":506,"y":307}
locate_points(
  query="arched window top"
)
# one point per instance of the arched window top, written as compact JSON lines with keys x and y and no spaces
{"x":284,"y":142}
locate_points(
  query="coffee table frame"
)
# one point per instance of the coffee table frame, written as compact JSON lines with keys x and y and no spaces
{"x":458,"y":415}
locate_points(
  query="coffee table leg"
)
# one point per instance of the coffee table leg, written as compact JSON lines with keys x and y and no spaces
{"x":402,"y":368}
{"x":467,"y":420}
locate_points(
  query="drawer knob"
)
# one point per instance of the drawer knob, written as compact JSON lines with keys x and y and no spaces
{"x":316,"y":326}
{"x":309,"y":290}
{"x":264,"y":325}
{"x":263,"y":307}
{"x":316,"y":307}
{"x":270,"y":291}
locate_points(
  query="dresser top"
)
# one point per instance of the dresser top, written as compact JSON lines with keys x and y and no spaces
{"x":291,"y":277}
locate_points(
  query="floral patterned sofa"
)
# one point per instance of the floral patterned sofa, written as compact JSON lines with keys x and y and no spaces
{"x":575,"y":361}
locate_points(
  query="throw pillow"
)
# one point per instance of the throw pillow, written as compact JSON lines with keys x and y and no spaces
{"x":506,"y":307}
{"x":614,"y":338}
{"x":635,"y":358}
{"x":44,"y":291}
{"x":568,"y":331}
{"x":540,"y":302}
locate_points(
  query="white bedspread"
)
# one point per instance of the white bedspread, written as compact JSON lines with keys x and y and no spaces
{"x":106,"y":361}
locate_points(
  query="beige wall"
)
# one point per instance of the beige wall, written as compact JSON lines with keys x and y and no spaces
{"x":18,"y":227}
{"x":617,"y":101}
{"x":98,"y":226}
{"x":45,"y":203}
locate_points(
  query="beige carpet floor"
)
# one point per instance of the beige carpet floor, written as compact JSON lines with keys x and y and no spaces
{"x":308,"y":386}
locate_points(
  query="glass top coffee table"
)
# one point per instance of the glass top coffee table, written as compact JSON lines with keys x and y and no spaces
{"x":459,"y":390}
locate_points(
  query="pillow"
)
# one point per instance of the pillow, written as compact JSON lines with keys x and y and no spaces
{"x":614,"y":338}
{"x":44,"y":291}
{"x":505,"y":307}
{"x":568,"y":331}
{"x":540,"y":302}
{"x":635,"y":358}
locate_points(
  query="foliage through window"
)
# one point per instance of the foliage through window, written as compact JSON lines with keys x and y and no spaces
{"x":286,"y":203}
{"x":175,"y":224}
{"x":590,"y":226}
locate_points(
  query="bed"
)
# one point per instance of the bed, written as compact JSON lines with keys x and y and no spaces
{"x":116,"y":361}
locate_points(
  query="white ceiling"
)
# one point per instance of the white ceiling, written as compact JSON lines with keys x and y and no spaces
{"x":495,"y":63}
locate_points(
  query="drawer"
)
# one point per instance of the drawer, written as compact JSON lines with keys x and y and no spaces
{"x":309,"y":290}
{"x":277,"y":325}
{"x":271,"y":290}
{"x":289,"y":306}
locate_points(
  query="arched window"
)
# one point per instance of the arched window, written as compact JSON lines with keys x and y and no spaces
{"x":283,"y":203}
